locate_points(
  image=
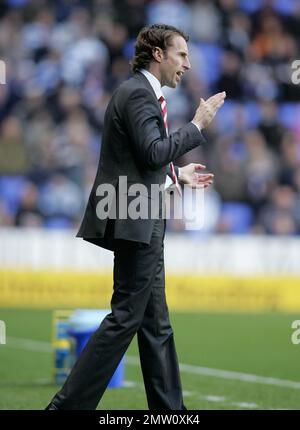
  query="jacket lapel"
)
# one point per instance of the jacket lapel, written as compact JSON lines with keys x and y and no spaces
{"x":142,"y":78}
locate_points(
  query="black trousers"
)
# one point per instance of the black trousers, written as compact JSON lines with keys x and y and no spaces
{"x":138,"y":307}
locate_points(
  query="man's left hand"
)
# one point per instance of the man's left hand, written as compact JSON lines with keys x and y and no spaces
{"x":190,"y":176}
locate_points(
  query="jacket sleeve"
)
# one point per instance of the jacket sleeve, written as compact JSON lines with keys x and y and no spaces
{"x":153,"y":150}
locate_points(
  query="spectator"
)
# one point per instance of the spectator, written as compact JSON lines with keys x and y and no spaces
{"x":63,"y":61}
{"x":13,"y":154}
{"x":28,"y":213}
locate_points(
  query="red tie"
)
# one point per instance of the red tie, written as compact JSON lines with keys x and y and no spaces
{"x":163,"y":105}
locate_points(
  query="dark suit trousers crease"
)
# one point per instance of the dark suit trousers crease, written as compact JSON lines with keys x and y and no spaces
{"x":138,"y":306}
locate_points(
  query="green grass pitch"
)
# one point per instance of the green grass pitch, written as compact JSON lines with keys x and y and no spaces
{"x":255,"y":344}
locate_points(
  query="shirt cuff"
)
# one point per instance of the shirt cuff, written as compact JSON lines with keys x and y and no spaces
{"x":196,"y":125}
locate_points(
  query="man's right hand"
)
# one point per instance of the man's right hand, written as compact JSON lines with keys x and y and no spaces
{"x":207,"y":109}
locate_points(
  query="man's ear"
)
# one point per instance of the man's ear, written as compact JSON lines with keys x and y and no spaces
{"x":158,"y":54}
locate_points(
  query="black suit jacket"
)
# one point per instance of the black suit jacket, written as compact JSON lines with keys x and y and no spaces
{"x":135,"y":145}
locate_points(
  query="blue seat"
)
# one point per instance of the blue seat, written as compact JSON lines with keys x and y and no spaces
{"x":58,"y":222}
{"x":253,"y":114}
{"x":288,"y":114}
{"x":286,"y":7}
{"x":128,"y":50}
{"x":250,"y":6}
{"x":11,"y":189}
{"x":211,"y":67}
{"x":237,"y":216}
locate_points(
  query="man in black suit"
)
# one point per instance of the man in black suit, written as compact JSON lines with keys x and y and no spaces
{"x":137,"y":151}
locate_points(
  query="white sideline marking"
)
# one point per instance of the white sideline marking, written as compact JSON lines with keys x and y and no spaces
{"x":40,"y":346}
{"x":130,"y":384}
{"x":216,"y":399}
{"x":245,"y":405}
{"x":186,"y":393}
{"x":29,"y":344}
{"x":231,"y":375}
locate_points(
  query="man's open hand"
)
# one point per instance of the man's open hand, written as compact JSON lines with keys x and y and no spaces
{"x":190,"y":176}
{"x":208,"y":109}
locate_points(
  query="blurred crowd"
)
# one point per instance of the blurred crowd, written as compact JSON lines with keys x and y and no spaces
{"x":64,"y":59}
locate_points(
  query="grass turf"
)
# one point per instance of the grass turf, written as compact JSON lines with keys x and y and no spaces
{"x":249,"y":343}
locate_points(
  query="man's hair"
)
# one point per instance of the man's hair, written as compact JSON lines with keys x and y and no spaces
{"x":157,"y":35}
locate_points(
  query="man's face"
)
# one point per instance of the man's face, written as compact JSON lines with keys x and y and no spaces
{"x":175,"y":62}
